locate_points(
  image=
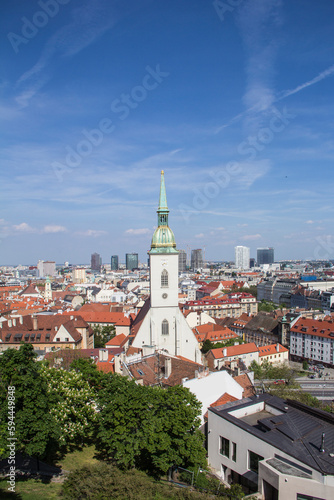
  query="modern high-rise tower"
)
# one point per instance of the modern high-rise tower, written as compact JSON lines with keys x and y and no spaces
{"x":242,"y":255}
{"x":131,"y":261}
{"x":265,"y":256}
{"x":160,"y":324}
{"x":95,"y":262}
{"x":182,"y":261}
{"x":114,"y":262}
{"x":196,"y":259}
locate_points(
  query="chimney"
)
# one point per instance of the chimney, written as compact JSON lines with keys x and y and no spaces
{"x":225,"y":352}
{"x":34,"y":322}
{"x":277,"y":347}
{"x":168,"y":367}
{"x":322,"y":447}
{"x":103,"y":355}
{"x":118,"y":365}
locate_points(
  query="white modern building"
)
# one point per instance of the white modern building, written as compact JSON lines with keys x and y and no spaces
{"x":242,"y":256}
{"x":160,"y":324}
{"x":46,"y":268}
{"x":281,"y":448}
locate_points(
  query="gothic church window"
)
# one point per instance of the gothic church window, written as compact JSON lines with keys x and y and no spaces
{"x":164,"y":327}
{"x":164,"y":279}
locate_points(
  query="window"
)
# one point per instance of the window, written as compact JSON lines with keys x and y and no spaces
{"x":253,"y":461}
{"x":234,"y":452}
{"x":164,"y":327}
{"x":224,"y":447}
{"x":164,"y":279}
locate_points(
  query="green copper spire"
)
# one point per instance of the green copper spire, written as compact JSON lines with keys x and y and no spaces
{"x":163,"y":197}
{"x":163,"y":209}
{"x":163,"y":240}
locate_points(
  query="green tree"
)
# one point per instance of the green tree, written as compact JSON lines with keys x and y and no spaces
{"x":89,"y":371}
{"x":102,"y":335}
{"x":72,"y":404}
{"x":148,"y":427}
{"x":104,"y":481}
{"x":266,"y":306}
{"x":257,"y":369}
{"x":207,"y":346}
{"x":36,"y":430}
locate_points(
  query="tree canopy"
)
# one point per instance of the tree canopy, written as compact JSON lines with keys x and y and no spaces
{"x":102,"y":334}
{"x":149,"y":428}
{"x":36,"y":430}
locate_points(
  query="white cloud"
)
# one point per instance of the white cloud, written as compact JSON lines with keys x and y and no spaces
{"x":324,"y":74}
{"x":143,"y":230}
{"x":258,"y":22}
{"x":88,"y":23}
{"x":250,"y":171}
{"x":54,"y":229}
{"x":200,"y":235}
{"x":91,"y":233}
{"x":251,"y":237}
{"x":310,"y":222}
{"x":24,"y":227}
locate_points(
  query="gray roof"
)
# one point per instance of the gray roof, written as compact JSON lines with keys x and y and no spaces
{"x":263,"y":321}
{"x":296,"y":431}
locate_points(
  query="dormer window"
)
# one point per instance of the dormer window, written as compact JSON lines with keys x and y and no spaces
{"x":164,"y":279}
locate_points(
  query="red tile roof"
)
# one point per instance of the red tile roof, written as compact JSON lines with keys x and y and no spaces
{"x":225,"y":398}
{"x":117,"y":341}
{"x":268,"y":350}
{"x":115,"y":318}
{"x":308,"y":326}
{"x":235,"y":350}
{"x":246,"y":384}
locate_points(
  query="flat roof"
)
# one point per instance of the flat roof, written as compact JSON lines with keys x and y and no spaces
{"x":292,"y":427}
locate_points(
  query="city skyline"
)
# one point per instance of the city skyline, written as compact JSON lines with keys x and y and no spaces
{"x":236,"y":106}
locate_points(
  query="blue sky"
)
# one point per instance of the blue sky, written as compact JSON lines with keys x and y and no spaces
{"x":232,"y":99}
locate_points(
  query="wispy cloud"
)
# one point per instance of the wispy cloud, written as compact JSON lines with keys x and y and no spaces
{"x":258,"y":22}
{"x":94,"y":233}
{"x":250,"y":237}
{"x":138,"y":231}
{"x":24,"y":227}
{"x":321,"y":76}
{"x":89,"y":22}
{"x":54,"y":229}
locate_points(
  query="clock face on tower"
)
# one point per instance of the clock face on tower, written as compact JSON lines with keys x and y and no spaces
{"x":164,"y":262}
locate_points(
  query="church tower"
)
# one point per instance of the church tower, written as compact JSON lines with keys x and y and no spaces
{"x":162,"y":325}
{"x":164,"y":258}
{"x":48,"y":291}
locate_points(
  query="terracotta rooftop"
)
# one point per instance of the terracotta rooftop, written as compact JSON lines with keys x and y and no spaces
{"x":235,"y":350}
{"x":319,"y":328}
